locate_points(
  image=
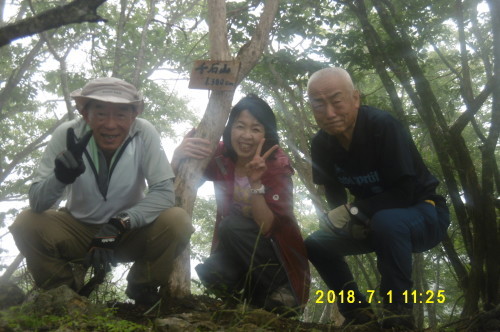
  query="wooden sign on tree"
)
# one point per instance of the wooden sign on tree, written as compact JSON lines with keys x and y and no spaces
{"x":214,"y":75}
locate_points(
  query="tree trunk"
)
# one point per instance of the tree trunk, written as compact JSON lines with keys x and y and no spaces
{"x":136,"y":77}
{"x":120,"y":34}
{"x":370,"y":284}
{"x":2,"y":8}
{"x":431,"y":307}
{"x":331,"y":315}
{"x":489,"y":171}
{"x":418,"y":277}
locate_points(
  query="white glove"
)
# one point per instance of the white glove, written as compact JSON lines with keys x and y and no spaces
{"x":340,"y":222}
{"x":336,"y":220}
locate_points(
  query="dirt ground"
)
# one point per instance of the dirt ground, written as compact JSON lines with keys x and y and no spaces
{"x":210,"y":314}
{"x":207,"y":314}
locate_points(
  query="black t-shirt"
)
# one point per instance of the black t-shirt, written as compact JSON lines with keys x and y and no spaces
{"x":382,"y":168}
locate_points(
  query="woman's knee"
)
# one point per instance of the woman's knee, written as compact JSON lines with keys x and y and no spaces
{"x":232,"y":226}
{"x":225,"y":228}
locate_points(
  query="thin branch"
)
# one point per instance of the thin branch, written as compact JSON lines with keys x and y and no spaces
{"x":16,"y":76}
{"x":12,"y":268}
{"x":28,"y":150}
{"x":78,"y":11}
{"x":473,"y":107}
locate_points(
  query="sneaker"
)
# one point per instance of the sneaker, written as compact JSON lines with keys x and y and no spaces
{"x":361,"y":316}
{"x":282,"y":301}
{"x":144,"y":295}
{"x":398,"y":317}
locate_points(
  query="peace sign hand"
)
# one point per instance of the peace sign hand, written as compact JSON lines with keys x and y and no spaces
{"x":75,"y":146}
{"x":69,"y":164}
{"x":257,"y":166}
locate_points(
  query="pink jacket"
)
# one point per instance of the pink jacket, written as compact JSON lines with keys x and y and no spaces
{"x":285,"y":232}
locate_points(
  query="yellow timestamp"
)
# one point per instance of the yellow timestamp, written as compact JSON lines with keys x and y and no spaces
{"x":349,"y":296}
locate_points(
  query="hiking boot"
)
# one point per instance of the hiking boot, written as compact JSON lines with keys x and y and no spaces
{"x":282,"y":301}
{"x":143,"y":295}
{"x":361,"y":316}
{"x":398,"y":317}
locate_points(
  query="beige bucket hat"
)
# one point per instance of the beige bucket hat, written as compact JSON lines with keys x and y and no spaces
{"x":109,"y":89}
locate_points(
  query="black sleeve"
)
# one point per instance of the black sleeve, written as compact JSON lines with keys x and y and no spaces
{"x":318,"y":163}
{"x":335,"y":194}
{"x":322,"y":170}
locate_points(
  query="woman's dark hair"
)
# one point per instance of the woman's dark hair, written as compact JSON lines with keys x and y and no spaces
{"x":262,"y":112}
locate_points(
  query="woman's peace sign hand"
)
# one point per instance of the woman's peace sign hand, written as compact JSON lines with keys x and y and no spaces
{"x":257,"y":166}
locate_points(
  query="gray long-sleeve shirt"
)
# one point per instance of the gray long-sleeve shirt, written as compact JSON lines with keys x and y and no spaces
{"x":141,"y":160}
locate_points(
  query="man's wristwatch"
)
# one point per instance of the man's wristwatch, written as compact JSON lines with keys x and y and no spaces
{"x":121,"y":220}
{"x":356,"y":213}
{"x":258,"y":191}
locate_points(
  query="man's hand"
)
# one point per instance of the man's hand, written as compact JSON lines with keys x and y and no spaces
{"x":336,"y":220}
{"x":358,"y":230}
{"x":69,"y":163}
{"x":101,"y":252}
{"x":339,"y":221}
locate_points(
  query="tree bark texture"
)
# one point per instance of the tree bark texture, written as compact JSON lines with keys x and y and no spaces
{"x":490,"y":171}
{"x":431,"y":307}
{"x":120,"y":29}
{"x":136,"y":78}
{"x":418,"y":284}
{"x":78,"y":11}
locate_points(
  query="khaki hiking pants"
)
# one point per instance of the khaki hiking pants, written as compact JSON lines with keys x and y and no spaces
{"x":53,"y":239}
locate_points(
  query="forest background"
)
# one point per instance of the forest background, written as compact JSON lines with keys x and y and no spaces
{"x":434,"y":65}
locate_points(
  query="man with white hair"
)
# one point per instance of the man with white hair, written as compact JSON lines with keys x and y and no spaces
{"x":395,"y":212}
{"x":100,"y":162}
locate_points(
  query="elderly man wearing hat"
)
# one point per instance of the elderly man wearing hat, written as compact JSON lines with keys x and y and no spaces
{"x":100,"y":162}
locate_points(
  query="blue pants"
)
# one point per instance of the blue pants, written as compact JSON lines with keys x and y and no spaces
{"x":395,"y":235}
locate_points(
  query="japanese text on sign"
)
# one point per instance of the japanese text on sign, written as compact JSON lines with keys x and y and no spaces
{"x":214,"y":75}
